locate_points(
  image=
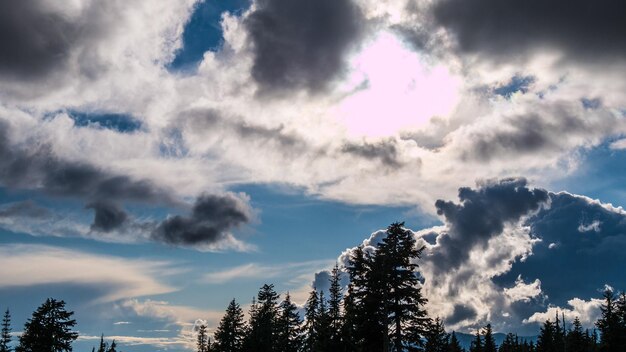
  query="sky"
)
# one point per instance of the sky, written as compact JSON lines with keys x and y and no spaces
{"x":159,"y":158}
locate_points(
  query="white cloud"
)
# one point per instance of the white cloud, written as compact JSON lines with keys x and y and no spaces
{"x":115,"y":277}
{"x":587,"y":311}
{"x":522,"y":291}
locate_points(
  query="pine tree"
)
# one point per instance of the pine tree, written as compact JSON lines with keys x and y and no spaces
{"x":575,"y":340}
{"x":5,"y":334}
{"x":202,"y":340}
{"x":454,"y":345}
{"x":437,"y":340}
{"x":103,"y":345}
{"x":49,"y":329}
{"x":231,"y":331}
{"x":263,"y":327}
{"x":609,"y":324}
{"x":402,"y":299}
{"x":322,"y":326}
{"x":113,"y":347}
{"x":289,"y":331}
{"x":310,"y":324}
{"x":477,"y":343}
{"x":510,"y":344}
{"x":334,"y":310}
{"x":489,"y":341}
{"x":546,"y":339}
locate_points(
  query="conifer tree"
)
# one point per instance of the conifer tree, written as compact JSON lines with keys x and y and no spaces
{"x":454,"y":345}
{"x":103,"y":345}
{"x":263,"y":328}
{"x":477,"y":343}
{"x":289,"y":337}
{"x":437,"y":340}
{"x":489,"y":341}
{"x":202,"y":342}
{"x":575,"y":340}
{"x":334,"y":310}
{"x":310,"y":324}
{"x":609,"y":324}
{"x":113,"y":347}
{"x":49,"y":329}
{"x":322,"y":328}
{"x":546,"y":339}
{"x":402,"y":298}
{"x":510,"y":344}
{"x":5,"y":333}
{"x":231,"y":331}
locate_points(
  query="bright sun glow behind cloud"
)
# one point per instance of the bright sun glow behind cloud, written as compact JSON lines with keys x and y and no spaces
{"x":394,"y":89}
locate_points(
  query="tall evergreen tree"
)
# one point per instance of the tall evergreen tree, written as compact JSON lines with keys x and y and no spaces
{"x":334,"y":310}
{"x":454,"y":345}
{"x":437,"y":340}
{"x":263,"y":328}
{"x":322,"y":327}
{"x":49,"y":329}
{"x":575,"y":340}
{"x":102,"y":347}
{"x":609,"y":324}
{"x":489,"y":341}
{"x":403,"y":301}
{"x":289,"y":337}
{"x":202,"y":342}
{"x":231,"y":331}
{"x":510,"y":344}
{"x":477,"y":343}
{"x":113,"y":347}
{"x":5,"y":333}
{"x":546,"y":339}
{"x":311,"y":322}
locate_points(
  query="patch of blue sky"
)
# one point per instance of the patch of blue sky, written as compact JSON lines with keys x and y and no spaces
{"x":203,"y":32}
{"x":114,"y":121}
{"x":518,"y":83}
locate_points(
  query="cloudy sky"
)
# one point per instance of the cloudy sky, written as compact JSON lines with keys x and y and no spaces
{"x":158,"y":158}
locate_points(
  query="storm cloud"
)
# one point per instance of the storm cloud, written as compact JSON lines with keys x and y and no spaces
{"x":482,"y":214}
{"x":107,"y":216}
{"x":584,"y":30}
{"x":301,"y":43}
{"x":211,"y":218}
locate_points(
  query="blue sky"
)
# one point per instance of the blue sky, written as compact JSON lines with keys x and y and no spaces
{"x":159,"y":159}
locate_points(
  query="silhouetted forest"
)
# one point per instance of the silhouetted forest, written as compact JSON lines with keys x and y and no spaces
{"x":382,"y":309}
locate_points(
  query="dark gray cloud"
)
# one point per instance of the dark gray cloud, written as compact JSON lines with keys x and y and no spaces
{"x":28,"y":209}
{"x":550,"y":129}
{"x":386,"y":151}
{"x":581,"y":249}
{"x":585,"y":30}
{"x":211,"y":218}
{"x":38,"y":168}
{"x":107,"y":216}
{"x":482,"y":214}
{"x":35,"y":41}
{"x":460,"y":313}
{"x":301,"y":43}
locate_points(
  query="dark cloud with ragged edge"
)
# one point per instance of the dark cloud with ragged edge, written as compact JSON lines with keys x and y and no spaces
{"x":40,"y":169}
{"x":582,"y":29}
{"x":482,"y":214}
{"x":549,"y":128}
{"x":107,"y":215}
{"x":301,"y":43}
{"x":210,"y":220}
{"x":581,"y":249}
{"x":386,"y":151}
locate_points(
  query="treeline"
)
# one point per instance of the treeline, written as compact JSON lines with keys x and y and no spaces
{"x":383,"y":310}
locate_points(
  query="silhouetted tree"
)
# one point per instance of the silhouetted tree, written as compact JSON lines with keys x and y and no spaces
{"x":5,"y":333}
{"x":113,"y":347}
{"x":231,"y":331}
{"x":546,"y":339}
{"x":289,"y":337}
{"x":403,"y":301}
{"x":437,"y":339}
{"x":103,"y":345}
{"x":334,"y":310}
{"x":609,"y":324}
{"x":489,"y":341}
{"x":49,"y":329}
{"x":575,"y":340}
{"x":510,"y":344}
{"x":454,"y":345}
{"x":477,"y":343}
{"x":310,"y":323}
{"x":263,"y":328}
{"x":202,"y":342}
